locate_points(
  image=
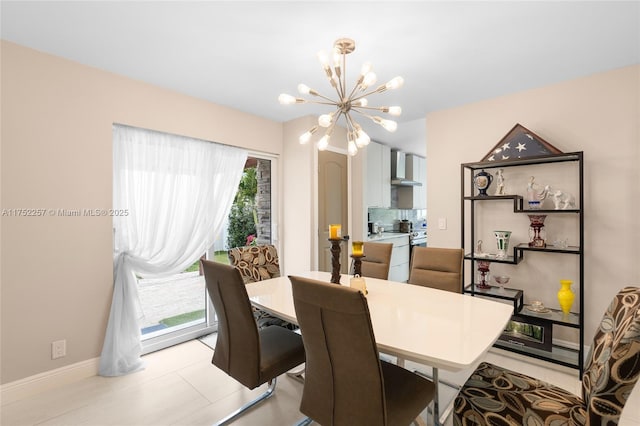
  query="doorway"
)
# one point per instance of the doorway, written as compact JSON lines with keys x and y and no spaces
{"x":332,"y":206}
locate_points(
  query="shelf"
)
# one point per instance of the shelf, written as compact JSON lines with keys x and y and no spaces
{"x":557,"y":158}
{"x":549,"y":248}
{"x":512,"y":260}
{"x":472,"y":204}
{"x":555,"y":316}
{"x":546,"y":211}
{"x":512,"y":295}
{"x":493,"y":197}
{"x":558,"y":354}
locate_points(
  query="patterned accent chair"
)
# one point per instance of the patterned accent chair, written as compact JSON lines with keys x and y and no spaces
{"x":496,"y":396}
{"x":257,"y":263}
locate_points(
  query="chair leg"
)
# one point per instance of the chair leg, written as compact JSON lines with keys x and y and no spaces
{"x":419,"y":421}
{"x":297,"y":374}
{"x":231,"y":417}
{"x":304,"y":422}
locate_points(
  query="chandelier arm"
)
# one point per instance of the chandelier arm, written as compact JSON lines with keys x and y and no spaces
{"x":370,"y":117}
{"x":350,"y":125}
{"x":353,"y":91}
{"x":320,"y":95}
{"x":332,"y":103}
{"x":381,"y":109}
{"x":339,"y":88}
{"x":364,"y":95}
{"x":344,"y":75}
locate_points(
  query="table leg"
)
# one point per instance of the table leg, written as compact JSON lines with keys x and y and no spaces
{"x":436,"y":399}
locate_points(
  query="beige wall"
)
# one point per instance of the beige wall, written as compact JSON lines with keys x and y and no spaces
{"x":57,"y":153}
{"x":56,"y":274}
{"x":599,"y":115}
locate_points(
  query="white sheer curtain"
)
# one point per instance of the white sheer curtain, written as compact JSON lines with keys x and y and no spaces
{"x":177,"y":192}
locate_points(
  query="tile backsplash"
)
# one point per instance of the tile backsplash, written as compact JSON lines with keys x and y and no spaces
{"x":390,"y":218}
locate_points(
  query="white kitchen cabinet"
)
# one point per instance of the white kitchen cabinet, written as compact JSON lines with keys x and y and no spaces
{"x":399,"y":266}
{"x":378,"y":176}
{"x":414,"y":197}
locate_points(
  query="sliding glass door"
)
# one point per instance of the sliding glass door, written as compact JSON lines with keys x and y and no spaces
{"x":177,"y":308}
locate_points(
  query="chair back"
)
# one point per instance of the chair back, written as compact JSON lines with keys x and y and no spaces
{"x":376,"y":260}
{"x":256,"y":263}
{"x":343,"y":377}
{"x":439,"y":268}
{"x":613,"y":363}
{"x":237,"y":350}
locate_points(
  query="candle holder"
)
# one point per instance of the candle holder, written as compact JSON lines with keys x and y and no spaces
{"x":357,"y":264}
{"x":483,"y":275}
{"x":335,"y":259}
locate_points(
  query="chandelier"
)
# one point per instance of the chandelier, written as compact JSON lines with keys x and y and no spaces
{"x":348,"y":102}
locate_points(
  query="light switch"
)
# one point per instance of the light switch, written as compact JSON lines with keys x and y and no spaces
{"x":442,"y":223}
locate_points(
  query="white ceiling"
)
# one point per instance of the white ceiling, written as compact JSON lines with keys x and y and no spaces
{"x":244,"y":54}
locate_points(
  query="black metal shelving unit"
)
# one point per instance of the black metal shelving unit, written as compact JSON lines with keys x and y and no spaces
{"x":558,"y":354}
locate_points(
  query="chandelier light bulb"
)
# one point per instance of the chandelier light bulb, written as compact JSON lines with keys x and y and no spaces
{"x":366,"y":68}
{"x":323,"y":143}
{"x":388,"y":125}
{"x":395,"y":83}
{"x":325,"y":120}
{"x":352,"y":148}
{"x":303,"y":89}
{"x":362,"y":138}
{"x":285,"y":99}
{"x":395,"y":111}
{"x":370,"y":79}
{"x":323,"y":58}
{"x":306,"y":136}
{"x":362,"y":102}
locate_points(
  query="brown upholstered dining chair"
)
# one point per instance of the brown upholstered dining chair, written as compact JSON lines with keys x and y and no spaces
{"x":251,"y":356}
{"x":494,"y":395}
{"x":257,"y":263}
{"x":346,"y":383}
{"x":439,"y":268}
{"x":376,"y":260}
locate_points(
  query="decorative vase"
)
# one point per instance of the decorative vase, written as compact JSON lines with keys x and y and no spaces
{"x":482,"y":180}
{"x":566,"y":296}
{"x":483,"y":275}
{"x":536,"y":230}
{"x":502,"y":241}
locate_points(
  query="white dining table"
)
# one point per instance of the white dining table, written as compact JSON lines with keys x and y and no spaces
{"x":441,"y":329}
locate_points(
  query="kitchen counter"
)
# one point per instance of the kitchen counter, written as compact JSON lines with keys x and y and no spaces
{"x":386,"y":236}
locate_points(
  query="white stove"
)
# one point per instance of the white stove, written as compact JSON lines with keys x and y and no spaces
{"x":418,"y":237}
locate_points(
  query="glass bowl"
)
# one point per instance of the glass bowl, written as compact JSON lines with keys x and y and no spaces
{"x":502,"y":280}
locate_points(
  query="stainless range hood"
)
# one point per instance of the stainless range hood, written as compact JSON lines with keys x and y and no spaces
{"x":399,"y":169}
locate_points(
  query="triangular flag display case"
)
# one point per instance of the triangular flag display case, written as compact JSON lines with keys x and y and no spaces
{"x":520,"y":143}
{"x":523,"y":153}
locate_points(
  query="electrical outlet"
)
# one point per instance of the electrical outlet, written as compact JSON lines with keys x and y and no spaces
{"x":58,"y":349}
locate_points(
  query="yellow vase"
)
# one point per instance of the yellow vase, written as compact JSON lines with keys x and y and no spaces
{"x":566,"y":296}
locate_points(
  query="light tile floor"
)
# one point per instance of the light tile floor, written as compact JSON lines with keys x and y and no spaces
{"x":180,"y":387}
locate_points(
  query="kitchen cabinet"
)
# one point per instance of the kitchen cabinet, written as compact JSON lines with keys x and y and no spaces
{"x":399,"y":266}
{"x":378,"y":176}
{"x":478,"y":209}
{"x":414,"y":197}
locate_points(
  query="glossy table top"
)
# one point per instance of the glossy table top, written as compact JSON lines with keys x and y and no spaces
{"x":438,"y":328}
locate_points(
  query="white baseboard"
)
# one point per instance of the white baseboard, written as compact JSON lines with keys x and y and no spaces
{"x":24,"y":388}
